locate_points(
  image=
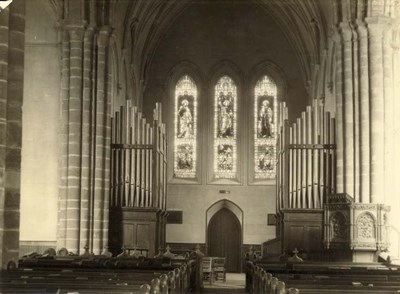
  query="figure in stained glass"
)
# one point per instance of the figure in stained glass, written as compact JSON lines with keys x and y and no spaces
{"x":225,"y":157}
{"x":185,"y":117}
{"x":185,"y":157}
{"x":265,"y":158}
{"x":265,"y":117}
{"x":185,"y":124}
{"x":225,"y":115}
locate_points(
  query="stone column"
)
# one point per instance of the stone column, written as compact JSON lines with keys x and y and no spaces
{"x":339,"y":113}
{"x":87,"y":88}
{"x":356,"y":115}
{"x":63,"y":158}
{"x":377,"y":131}
{"x":73,"y":220}
{"x":348,"y":105}
{"x":390,"y":149}
{"x":364,"y":114}
{"x":101,"y":175}
{"x":84,"y":187}
{"x":12,"y":46}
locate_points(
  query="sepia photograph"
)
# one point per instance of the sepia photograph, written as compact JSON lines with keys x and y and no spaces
{"x":199,"y":146}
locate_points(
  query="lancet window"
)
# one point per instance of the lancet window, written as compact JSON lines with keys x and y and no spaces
{"x":225,"y":128}
{"x":185,"y":134}
{"x":265,"y":117}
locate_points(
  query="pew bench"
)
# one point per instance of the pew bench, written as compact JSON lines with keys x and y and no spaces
{"x":314,"y":277}
{"x":98,"y":275}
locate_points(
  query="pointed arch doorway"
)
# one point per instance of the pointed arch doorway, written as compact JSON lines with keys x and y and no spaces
{"x":224,"y":233}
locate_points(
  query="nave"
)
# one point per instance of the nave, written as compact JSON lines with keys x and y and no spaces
{"x":261,"y":133}
{"x":235,"y":283}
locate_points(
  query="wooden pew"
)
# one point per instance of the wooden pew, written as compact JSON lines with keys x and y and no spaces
{"x":259,"y":281}
{"x":323,"y":277}
{"x":97,"y":274}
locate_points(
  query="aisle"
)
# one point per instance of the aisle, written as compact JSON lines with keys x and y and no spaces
{"x":235,"y":283}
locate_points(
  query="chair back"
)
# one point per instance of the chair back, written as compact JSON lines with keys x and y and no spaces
{"x":206,"y":264}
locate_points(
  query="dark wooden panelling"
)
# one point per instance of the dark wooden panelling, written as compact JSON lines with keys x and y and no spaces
{"x":271,"y":219}
{"x":137,"y":227}
{"x":302,"y":230}
{"x":143,"y":236}
{"x":175,"y":217}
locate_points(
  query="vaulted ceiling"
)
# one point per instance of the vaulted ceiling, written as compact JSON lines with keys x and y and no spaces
{"x":142,"y":23}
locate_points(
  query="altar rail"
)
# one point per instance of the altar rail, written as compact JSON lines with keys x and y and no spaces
{"x":305,"y":158}
{"x":138,"y":159}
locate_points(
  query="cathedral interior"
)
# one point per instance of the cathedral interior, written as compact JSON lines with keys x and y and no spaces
{"x":225,"y":125}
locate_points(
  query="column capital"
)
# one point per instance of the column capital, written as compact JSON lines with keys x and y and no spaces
{"x":75,"y":29}
{"x":89,"y":32}
{"x":346,"y":31}
{"x":362,"y":29}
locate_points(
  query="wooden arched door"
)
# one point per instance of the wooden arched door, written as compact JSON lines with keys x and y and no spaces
{"x":225,"y":238}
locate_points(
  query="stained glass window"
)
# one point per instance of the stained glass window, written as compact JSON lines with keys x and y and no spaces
{"x":225,"y":128}
{"x":265,"y":115}
{"x":185,"y":128}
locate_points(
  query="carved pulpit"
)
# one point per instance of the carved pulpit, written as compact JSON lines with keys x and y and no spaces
{"x":360,"y":228}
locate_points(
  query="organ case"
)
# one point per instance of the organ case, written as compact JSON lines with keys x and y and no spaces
{"x":138,"y":181}
{"x":305,"y":177}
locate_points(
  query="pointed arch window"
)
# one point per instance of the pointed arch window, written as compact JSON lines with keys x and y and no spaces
{"x":225,"y":132}
{"x":185,"y":121}
{"x":265,"y":117}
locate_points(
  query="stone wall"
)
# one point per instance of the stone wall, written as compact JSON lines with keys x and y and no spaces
{"x":40,"y":128}
{"x":12,"y":43}
{"x":213,"y":38}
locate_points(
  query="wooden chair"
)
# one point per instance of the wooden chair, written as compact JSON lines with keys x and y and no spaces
{"x":219,"y":268}
{"x":207,"y":269}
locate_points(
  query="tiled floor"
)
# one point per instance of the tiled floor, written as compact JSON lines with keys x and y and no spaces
{"x":234,"y":284}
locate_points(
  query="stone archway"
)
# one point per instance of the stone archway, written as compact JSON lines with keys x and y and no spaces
{"x":224,"y":233}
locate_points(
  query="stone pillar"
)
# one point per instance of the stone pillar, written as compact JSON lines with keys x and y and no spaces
{"x":390,"y":177}
{"x":74,"y":179}
{"x":63,"y":159}
{"x":364,"y":113}
{"x":377,"y":119}
{"x":12,"y":46}
{"x":348,"y":105}
{"x":339,"y":114}
{"x":84,"y":187}
{"x":102,"y":143}
{"x":356,"y":101}
{"x":86,"y":183}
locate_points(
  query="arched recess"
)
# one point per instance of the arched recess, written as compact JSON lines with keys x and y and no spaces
{"x":224,"y":235}
{"x":225,"y":68}
{"x":185,"y":68}
{"x":224,"y":203}
{"x":278,"y":77}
